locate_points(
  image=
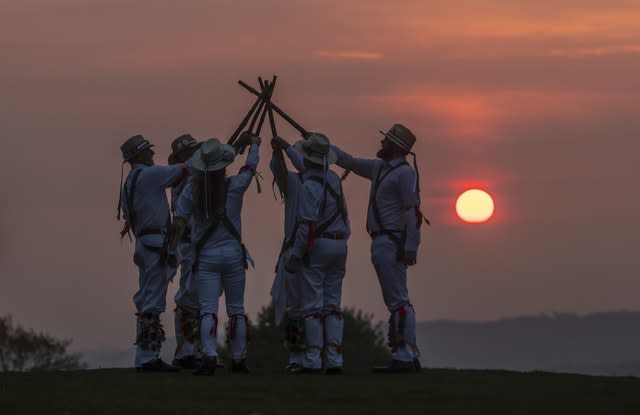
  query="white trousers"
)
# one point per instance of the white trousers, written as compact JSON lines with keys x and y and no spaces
{"x":150,"y":298}
{"x":187,"y":311}
{"x":285,"y":294}
{"x":392,"y":276}
{"x":320,"y":297}
{"x":187,"y":294}
{"x":222,"y":270}
{"x":152,"y":280}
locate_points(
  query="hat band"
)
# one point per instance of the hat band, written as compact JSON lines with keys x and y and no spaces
{"x":224,"y":156}
{"x":399,"y":141}
{"x":206,"y":160}
{"x":317,"y":153}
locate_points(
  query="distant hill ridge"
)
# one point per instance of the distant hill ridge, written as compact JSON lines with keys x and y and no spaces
{"x":606,"y":343}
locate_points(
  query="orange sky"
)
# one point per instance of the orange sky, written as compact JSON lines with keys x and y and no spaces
{"x":538,"y":102}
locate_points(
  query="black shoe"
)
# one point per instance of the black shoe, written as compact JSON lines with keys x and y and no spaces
{"x":307,"y":371}
{"x":187,"y":362}
{"x":207,"y":367}
{"x":293,"y":368}
{"x":397,"y":366}
{"x":417,"y":365}
{"x":156,"y":365}
{"x":239,"y":366}
{"x":334,"y":371}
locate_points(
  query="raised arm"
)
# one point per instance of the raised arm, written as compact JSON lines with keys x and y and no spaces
{"x":362,"y":167}
{"x":249,"y":169}
{"x":167,"y":176}
{"x":294,"y":156}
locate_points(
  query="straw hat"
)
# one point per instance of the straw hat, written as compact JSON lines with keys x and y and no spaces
{"x":182,"y":146}
{"x":133,"y":146}
{"x":213,"y":155}
{"x":315,"y":148}
{"x":400,"y":136}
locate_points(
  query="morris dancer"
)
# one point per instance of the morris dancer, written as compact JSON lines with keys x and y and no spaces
{"x":215,"y":202}
{"x":286,"y":286}
{"x":320,"y":250}
{"x":187,"y":311}
{"x":146,"y":210}
{"x":393,"y":222}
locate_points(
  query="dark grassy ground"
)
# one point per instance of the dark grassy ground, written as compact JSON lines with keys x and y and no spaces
{"x":122,"y":391}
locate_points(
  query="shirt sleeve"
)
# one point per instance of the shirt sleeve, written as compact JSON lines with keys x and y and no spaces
{"x":166,"y":176}
{"x":405,"y":183}
{"x":123,"y":205}
{"x":362,"y":167}
{"x":297,"y":160}
{"x":412,"y":240}
{"x":410,"y":200}
{"x":243,"y":179}
{"x":307,"y":217}
{"x":184,"y":204}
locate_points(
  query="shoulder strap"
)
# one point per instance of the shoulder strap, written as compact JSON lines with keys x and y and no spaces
{"x":330,"y":189}
{"x":226,"y":222}
{"x":129,"y":195}
{"x":289,"y":240}
{"x":373,"y":204}
{"x":197,"y":247}
{"x":225,"y":219}
{"x":380,"y":177}
{"x":339,"y":198}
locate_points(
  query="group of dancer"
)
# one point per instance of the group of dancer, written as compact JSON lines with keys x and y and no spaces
{"x":200,"y":233}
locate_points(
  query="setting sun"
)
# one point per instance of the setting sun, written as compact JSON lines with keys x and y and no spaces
{"x":474,"y":206}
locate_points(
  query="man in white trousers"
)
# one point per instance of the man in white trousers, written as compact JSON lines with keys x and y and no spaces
{"x":285,"y":291}
{"x":393,"y":222}
{"x":187,"y":311}
{"x":320,"y":250}
{"x":146,"y":210}
{"x":215,"y":203}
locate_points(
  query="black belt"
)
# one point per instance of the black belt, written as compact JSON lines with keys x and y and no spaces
{"x":332,"y":235}
{"x":149,"y":231}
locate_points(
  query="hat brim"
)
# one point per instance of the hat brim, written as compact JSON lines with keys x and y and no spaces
{"x":199,"y":164}
{"x":138,"y":151}
{"x":172,"y":156}
{"x":332,"y":157}
{"x":396,"y":141}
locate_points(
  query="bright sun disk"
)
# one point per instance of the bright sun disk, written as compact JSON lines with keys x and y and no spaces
{"x":474,"y":206}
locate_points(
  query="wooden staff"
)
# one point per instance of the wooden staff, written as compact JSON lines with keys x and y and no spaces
{"x":280,"y":173}
{"x":275,"y":108}
{"x":245,"y":120}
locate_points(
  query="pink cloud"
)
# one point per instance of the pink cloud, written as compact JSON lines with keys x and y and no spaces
{"x":598,"y":51}
{"x":348,"y":54}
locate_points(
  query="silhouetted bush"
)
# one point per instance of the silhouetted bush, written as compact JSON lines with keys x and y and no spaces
{"x":364,"y":341}
{"x":25,"y":350}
